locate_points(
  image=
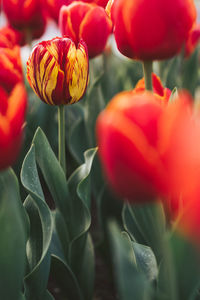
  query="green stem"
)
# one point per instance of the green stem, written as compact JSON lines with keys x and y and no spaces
{"x":61,"y":137}
{"x":148,"y":69}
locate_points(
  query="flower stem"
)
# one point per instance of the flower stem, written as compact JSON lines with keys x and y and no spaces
{"x":61,"y":137}
{"x":148,"y":69}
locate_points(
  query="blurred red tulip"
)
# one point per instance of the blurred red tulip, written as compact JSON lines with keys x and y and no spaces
{"x":88,"y":22}
{"x":127,"y":133}
{"x":27,"y":16}
{"x":159,"y":91}
{"x":193,"y":40}
{"x":53,"y":7}
{"x":57,"y":71}
{"x":10,"y":37}
{"x":10,"y":67}
{"x":102,"y":3}
{"x":152,"y":29}
{"x":12,"y":115}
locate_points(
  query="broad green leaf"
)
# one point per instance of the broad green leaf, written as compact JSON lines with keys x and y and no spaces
{"x":81,"y":255}
{"x":131,"y":283}
{"x":41,"y":228}
{"x":80,"y":191}
{"x":187,"y":266}
{"x":65,"y":279}
{"x":145,"y":260}
{"x":148,"y":222}
{"x":52,"y":172}
{"x":13,"y":237}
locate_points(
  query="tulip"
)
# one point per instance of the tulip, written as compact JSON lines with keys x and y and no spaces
{"x":9,"y":37}
{"x":57,"y":71}
{"x":88,"y":22}
{"x":193,"y":40}
{"x":10,"y":67}
{"x":53,"y":7}
{"x":12,"y":113}
{"x":127,"y":134}
{"x":102,"y":3}
{"x":159,"y":91}
{"x":152,"y":29}
{"x":26,"y":16}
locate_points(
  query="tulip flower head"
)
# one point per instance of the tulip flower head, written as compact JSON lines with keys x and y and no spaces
{"x":159,"y":91}
{"x":26,"y":15}
{"x":86,"y":21}
{"x":10,"y":67}
{"x":12,"y":115}
{"x":53,"y":7}
{"x":193,"y":40}
{"x":57,"y":71}
{"x":127,"y":132}
{"x":152,"y":29}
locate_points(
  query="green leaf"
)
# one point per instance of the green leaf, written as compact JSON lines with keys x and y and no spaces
{"x":130,"y":281}
{"x":146,"y":223}
{"x":52,"y":172}
{"x":145,"y":260}
{"x":187,"y":266}
{"x":80,"y":191}
{"x":81,"y":255}
{"x":41,"y":228}
{"x":65,"y":279}
{"x":13,"y":237}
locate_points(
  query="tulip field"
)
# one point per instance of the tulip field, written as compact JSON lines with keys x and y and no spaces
{"x":99,"y":150}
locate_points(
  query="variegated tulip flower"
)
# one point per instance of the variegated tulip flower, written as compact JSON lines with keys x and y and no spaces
{"x":57,"y":71}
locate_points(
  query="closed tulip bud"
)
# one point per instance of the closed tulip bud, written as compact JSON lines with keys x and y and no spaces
{"x":102,"y":3}
{"x":127,"y":133}
{"x":9,"y":37}
{"x":57,"y":71}
{"x":26,"y":16}
{"x":10,"y":67}
{"x":53,"y":7}
{"x":193,"y":40}
{"x":152,"y":29}
{"x":159,"y":91}
{"x":12,"y":115}
{"x":88,"y":22}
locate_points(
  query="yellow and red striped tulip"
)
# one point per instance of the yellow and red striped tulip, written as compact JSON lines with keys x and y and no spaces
{"x":57,"y":71}
{"x":159,"y":91}
{"x":152,"y":29}
{"x":86,"y":21}
{"x":12,"y":116}
{"x":27,"y":16}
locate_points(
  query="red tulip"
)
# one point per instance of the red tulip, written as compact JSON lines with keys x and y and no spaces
{"x":193,"y":40}
{"x":102,"y":3}
{"x":10,"y":67}
{"x":12,"y":113}
{"x":88,"y":22}
{"x":26,"y":16}
{"x":159,"y":91}
{"x":9,"y":37}
{"x":152,"y":29}
{"x":127,"y":132}
{"x":53,"y":7}
{"x":57,"y":71}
